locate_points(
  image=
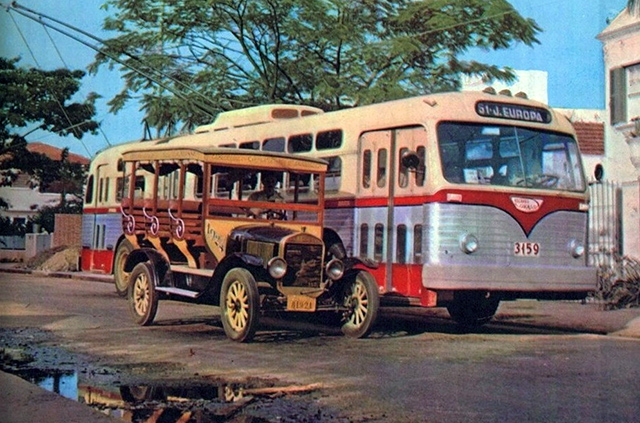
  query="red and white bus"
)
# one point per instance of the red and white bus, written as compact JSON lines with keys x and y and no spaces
{"x":460,"y":199}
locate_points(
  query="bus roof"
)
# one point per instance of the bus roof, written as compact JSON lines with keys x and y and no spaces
{"x":229,"y":157}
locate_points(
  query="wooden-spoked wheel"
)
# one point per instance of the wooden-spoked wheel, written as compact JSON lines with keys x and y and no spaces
{"x":239,"y":305}
{"x":120,"y":277}
{"x":362,"y":302}
{"x":143,"y":297}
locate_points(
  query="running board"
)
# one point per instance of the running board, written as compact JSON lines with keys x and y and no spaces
{"x":177,"y":291}
{"x":192,"y":271}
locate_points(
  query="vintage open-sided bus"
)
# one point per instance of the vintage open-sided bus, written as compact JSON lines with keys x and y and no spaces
{"x":242,"y":229}
{"x":463,"y":199}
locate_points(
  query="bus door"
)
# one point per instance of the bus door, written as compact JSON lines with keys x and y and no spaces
{"x":390,"y":215}
{"x":99,"y":259}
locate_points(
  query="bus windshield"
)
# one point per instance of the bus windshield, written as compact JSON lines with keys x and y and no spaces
{"x":509,"y":156}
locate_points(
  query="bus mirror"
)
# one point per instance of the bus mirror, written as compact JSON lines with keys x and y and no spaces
{"x":410,"y":160}
{"x":598,"y":172}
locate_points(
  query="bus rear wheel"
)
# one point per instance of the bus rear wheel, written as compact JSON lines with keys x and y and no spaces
{"x":473,"y":309}
{"x":239,"y":305}
{"x":143,"y":297}
{"x":121,"y":277}
{"x":362,"y":302}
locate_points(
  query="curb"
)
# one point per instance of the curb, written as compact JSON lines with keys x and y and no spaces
{"x":94,"y":277}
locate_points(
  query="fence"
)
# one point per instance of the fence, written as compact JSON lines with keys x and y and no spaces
{"x":13,"y":242}
{"x":605,"y":223}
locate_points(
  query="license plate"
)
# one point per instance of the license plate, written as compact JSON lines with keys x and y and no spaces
{"x":301,"y":303}
{"x":526,"y":249}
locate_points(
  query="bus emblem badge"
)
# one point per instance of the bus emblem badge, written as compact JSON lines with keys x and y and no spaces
{"x":527,"y":205}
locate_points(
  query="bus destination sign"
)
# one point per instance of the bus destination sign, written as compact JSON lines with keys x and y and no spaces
{"x":513,"y":112}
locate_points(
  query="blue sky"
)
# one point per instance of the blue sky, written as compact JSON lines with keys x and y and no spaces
{"x":568,"y":51}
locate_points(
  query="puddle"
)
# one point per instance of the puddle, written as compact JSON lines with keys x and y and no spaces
{"x":201,"y":399}
{"x":179,"y":401}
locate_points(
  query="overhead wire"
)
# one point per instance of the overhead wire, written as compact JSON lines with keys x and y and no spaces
{"x":146,"y":71}
{"x":35,"y":59}
{"x":55,"y":46}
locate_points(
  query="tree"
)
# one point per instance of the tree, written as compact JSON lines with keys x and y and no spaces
{"x":217,"y":55}
{"x":33,"y":98}
{"x":41,"y":99}
{"x":633,"y":6}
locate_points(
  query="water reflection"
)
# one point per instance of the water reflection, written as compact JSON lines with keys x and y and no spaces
{"x":151,"y":403}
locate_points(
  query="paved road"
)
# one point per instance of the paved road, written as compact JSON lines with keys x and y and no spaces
{"x":539,"y":361}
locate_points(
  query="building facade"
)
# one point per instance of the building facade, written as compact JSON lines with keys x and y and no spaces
{"x":621,"y":162}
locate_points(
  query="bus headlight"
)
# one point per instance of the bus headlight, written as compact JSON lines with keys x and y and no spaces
{"x":468,"y":243}
{"x":576,"y":248}
{"x":277,"y":267}
{"x":334,"y":269}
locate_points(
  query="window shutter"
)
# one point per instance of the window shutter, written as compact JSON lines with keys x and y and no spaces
{"x":618,"y":95}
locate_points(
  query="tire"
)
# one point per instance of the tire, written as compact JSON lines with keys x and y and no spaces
{"x":121,"y":277}
{"x":239,"y":305}
{"x":473,"y":309}
{"x":360,"y":296}
{"x":143,"y":297}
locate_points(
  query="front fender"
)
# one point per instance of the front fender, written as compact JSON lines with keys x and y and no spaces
{"x":147,"y":254}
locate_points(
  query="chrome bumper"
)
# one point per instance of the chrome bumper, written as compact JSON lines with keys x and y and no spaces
{"x":509,"y":278}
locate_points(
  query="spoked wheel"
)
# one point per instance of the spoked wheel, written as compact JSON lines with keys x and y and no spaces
{"x":362,"y":301}
{"x":473,"y":309}
{"x":143,"y":297}
{"x":121,"y":277}
{"x":240,"y":305}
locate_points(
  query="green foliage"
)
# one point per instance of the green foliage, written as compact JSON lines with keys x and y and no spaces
{"x":35,"y":98}
{"x":228,"y":54}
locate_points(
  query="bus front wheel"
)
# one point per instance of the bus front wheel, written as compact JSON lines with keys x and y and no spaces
{"x":121,"y":277}
{"x":143,"y":297}
{"x":239,"y":305}
{"x":473,"y":308}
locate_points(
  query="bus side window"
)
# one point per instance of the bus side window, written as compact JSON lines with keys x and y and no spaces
{"x":378,"y":241}
{"x":422,"y":168}
{"x":273,"y":144}
{"x":401,"y":244}
{"x":382,"y":168}
{"x":119,"y":188}
{"x":417,"y":244}
{"x":250,"y":145}
{"x":334,"y":173}
{"x":366,"y":169}
{"x":106,"y":190}
{"x":300,"y":143}
{"x":364,"y":240}
{"x":329,"y":139}
{"x":100,"y":190}
{"x":403,"y":171}
{"x":89,"y":196}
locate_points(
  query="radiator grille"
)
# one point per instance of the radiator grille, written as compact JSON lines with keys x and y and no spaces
{"x":304,"y":265}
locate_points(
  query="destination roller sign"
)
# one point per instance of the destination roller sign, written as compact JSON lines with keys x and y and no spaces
{"x":513,"y":112}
